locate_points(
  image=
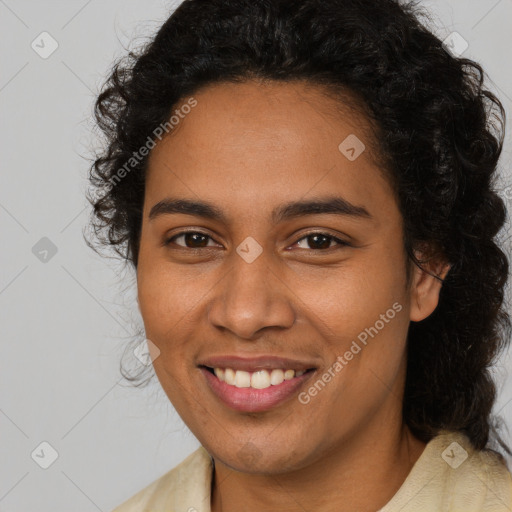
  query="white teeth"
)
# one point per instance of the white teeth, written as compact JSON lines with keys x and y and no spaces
{"x":242,"y":379}
{"x":289,"y":374}
{"x":229,"y":376}
{"x":260,"y":379}
{"x":276,"y":377}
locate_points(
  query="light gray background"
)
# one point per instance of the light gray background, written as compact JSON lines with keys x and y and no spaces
{"x":66,"y":321}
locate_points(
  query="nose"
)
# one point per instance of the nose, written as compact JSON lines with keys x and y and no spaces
{"x":250,"y":298}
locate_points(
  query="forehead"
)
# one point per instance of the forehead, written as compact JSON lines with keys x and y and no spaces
{"x":268,"y":142}
{"x":275,"y":113}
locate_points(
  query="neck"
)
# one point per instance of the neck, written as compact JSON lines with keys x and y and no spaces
{"x":362,"y":474}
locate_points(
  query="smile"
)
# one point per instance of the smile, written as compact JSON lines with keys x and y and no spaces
{"x":255,"y":391}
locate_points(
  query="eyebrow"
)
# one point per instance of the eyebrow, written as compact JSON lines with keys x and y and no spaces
{"x":328,"y":205}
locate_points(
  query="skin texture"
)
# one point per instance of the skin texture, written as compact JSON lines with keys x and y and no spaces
{"x":247,"y":148}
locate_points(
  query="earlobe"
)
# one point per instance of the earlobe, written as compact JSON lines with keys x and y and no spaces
{"x":425,"y":289}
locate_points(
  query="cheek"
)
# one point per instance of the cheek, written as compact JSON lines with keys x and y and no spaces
{"x":165,"y":305}
{"x":361,"y":310}
{"x":354,"y":296}
{"x":165,"y":296}
{"x":171,"y":300}
{"x":162,"y":304}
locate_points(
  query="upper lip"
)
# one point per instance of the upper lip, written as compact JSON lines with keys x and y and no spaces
{"x":251,"y":364}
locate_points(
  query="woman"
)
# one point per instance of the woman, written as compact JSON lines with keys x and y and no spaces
{"x":305,"y":192}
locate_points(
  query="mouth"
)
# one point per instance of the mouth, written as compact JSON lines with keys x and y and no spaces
{"x":255,"y":391}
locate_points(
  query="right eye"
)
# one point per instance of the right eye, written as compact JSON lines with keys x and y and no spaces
{"x":190,"y":240}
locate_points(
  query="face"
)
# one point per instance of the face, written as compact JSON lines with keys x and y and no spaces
{"x":285,"y":253}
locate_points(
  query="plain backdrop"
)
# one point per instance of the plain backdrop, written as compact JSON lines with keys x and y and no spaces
{"x":66,"y":314}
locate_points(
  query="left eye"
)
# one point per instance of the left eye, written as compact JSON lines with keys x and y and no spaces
{"x":320,"y":241}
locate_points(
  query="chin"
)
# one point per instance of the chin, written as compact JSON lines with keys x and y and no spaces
{"x":251,"y":459}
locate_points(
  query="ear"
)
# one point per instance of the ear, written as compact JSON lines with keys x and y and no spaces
{"x":426,"y":283}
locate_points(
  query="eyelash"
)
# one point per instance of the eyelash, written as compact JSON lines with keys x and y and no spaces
{"x":341,"y":243}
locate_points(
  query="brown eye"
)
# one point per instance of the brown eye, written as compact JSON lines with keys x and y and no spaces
{"x":320,"y":241}
{"x":190,"y":239}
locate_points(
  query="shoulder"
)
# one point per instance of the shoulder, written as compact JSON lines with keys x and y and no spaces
{"x":483,"y":478}
{"x":186,"y":486}
{"x":451,"y":475}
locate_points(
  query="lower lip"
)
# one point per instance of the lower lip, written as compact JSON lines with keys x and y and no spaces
{"x":254,"y":400}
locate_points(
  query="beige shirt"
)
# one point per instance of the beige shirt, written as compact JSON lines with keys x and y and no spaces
{"x":449,"y":476}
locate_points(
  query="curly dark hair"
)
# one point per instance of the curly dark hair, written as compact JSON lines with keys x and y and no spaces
{"x":439,"y":130}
